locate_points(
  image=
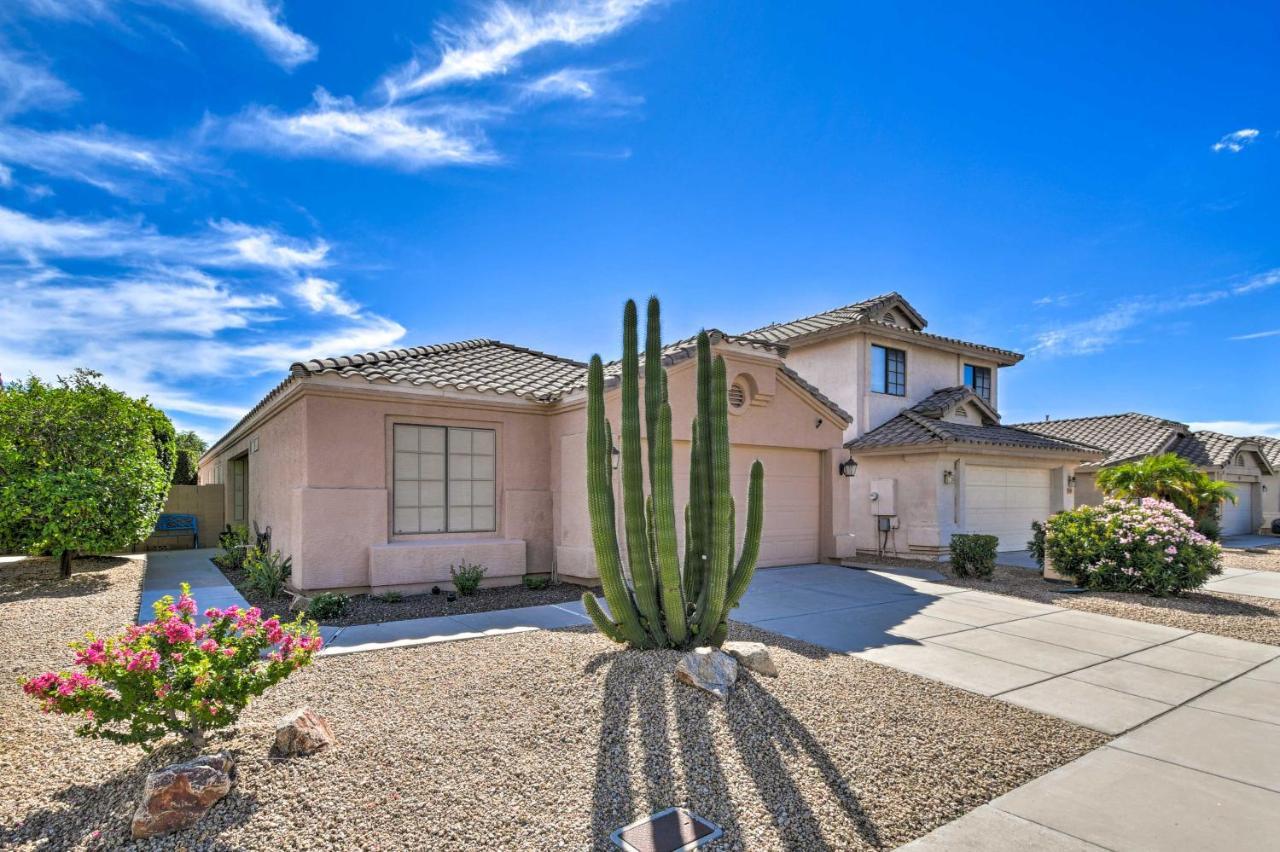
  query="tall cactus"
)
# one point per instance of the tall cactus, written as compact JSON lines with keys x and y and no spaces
{"x":663,"y":604}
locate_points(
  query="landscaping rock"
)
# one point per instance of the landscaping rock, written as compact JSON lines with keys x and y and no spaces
{"x":709,"y":669}
{"x":177,"y":796}
{"x":754,"y":655}
{"x":302,"y":732}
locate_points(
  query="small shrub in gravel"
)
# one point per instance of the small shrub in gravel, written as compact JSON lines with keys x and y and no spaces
{"x":1145,"y":546}
{"x":973,"y":555}
{"x":234,"y":541}
{"x":328,"y":605}
{"x":389,"y":597}
{"x":267,"y":571}
{"x":536,"y":583}
{"x":467,"y":577}
{"x":170,"y":676}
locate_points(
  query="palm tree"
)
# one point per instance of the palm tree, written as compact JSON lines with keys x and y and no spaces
{"x":1167,"y":477}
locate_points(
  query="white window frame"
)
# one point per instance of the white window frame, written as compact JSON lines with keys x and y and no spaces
{"x":458,"y":450}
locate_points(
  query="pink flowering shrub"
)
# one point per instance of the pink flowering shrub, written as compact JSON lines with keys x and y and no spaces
{"x":170,"y":675}
{"x":1146,"y":545}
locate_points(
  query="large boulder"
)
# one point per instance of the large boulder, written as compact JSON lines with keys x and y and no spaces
{"x":754,"y":656}
{"x":177,"y":796}
{"x":708,"y":669}
{"x":303,"y":731}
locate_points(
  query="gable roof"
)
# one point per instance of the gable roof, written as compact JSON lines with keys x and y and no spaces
{"x":482,"y":365}
{"x":867,"y":309}
{"x":1270,"y":449}
{"x":869,"y":314}
{"x":1214,"y":449}
{"x":922,"y":425}
{"x":1123,"y":436}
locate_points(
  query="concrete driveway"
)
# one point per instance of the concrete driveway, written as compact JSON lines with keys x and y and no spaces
{"x":1197,"y":762}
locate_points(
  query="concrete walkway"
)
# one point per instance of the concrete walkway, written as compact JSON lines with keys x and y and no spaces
{"x":1242,"y":581}
{"x":167,"y":570}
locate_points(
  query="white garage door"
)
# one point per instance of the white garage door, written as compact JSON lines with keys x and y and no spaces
{"x":1237,"y":518}
{"x":1003,"y":501}
{"x":791,"y":500}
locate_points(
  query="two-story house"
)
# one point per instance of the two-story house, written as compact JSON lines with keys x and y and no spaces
{"x":379,"y":471}
{"x":932,"y":458}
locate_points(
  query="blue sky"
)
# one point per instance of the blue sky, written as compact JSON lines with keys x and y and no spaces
{"x":195,"y":193}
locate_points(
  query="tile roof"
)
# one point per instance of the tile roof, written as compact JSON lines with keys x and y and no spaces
{"x":856,"y":312}
{"x":867,"y":313}
{"x":1270,"y":449}
{"x":1207,"y":449}
{"x":1124,"y":436}
{"x":478,"y":365}
{"x":921,"y":425}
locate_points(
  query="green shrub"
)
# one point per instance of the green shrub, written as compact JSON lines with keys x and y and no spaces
{"x":234,"y":541}
{"x":1145,"y":546}
{"x":328,"y":605}
{"x":1210,"y":528}
{"x":267,"y":572}
{"x":83,"y":468}
{"x":467,"y":577}
{"x":973,"y":555}
{"x":1036,"y":544}
{"x":389,"y":597}
{"x":536,"y":583}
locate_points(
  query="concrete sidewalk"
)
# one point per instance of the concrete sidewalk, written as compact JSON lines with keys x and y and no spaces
{"x":450,"y":628}
{"x":167,"y":570}
{"x":1242,"y":581}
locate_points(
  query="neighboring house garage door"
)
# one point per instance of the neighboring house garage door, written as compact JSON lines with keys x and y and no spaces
{"x":1003,"y":501}
{"x":1237,"y":518}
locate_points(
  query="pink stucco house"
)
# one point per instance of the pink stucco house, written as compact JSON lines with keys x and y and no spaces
{"x":380,"y":471}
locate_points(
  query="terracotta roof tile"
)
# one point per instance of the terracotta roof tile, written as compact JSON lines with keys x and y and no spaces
{"x":1270,"y":449}
{"x":912,"y":429}
{"x":1124,"y":436}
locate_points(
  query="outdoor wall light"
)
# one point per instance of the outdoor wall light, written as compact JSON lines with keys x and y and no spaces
{"x":849,"y":467}
{"x":615,"y":455}
{"x":1071,"y":482}
{"x":947,"y":476}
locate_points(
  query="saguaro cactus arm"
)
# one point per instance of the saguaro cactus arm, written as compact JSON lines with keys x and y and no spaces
{"x":721,"y":550}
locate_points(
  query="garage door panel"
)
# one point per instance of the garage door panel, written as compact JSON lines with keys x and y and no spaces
{"x":1004,"y":501}
{"x":1237,"y":519}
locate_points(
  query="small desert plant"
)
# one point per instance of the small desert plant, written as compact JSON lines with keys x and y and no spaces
{"x":234,"y":541}
{"x":389,"y":597}
{"x":1036,"y":544}
{"x":536,"y":583}
{"x":973,"y":555}
{"x":170,"y":676}
{"x":328,"y":605}
{"x":1149,"y":546}
{"x":267,"y":571}
{"x":467,"y":577}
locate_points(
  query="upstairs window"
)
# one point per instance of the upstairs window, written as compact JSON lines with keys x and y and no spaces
{"x":979,"y":379}
{"x":888,"y":370}
{"x":444,"y":479}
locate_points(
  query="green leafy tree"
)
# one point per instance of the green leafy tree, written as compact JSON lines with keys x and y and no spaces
{"x":83,"y":468}
{"x":1167,"y":477}
{"x":190,"y":447}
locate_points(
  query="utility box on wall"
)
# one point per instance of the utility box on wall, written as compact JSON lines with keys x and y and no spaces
{"x":884,"y":497}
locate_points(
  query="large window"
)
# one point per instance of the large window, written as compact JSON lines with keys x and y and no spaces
{"x":444,"y":479}
{"x":979,"y":378}
{"x":888,"y":370}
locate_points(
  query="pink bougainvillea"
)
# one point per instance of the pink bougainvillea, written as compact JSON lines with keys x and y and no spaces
{"x":170,"y":676}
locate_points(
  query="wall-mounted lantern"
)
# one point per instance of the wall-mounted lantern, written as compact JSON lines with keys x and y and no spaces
{"x":615,"y":456}
{"x":948,"y":476}
{"x":849,"y":467}
{"x":1071,"y":482}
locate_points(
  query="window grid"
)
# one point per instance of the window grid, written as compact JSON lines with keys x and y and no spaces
{"x":444,"y":479}
{"x":888,"y":370}
{"x":979,"y":379}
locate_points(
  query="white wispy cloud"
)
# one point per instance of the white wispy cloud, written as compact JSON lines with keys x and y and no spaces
{"x":260,"y":20}
{"x":404,"y":136}
{"x":1101,"y":331}
{"x":117,"y":163}
{"x":25,"y":85}
{"x":322,"y":295}
{"x":496,"y":42}
{"x":1236,"y":141}
{"x":1257,"y":335}
{"x":1242,"y":428}
{"x":222,"y":244}
{"x":214,"y":298}
{"x":576,"y":83}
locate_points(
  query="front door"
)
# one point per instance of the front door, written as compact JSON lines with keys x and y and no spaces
{"x":240,"y":490}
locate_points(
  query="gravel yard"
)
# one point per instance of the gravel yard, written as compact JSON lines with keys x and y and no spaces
{"x":364,"y":609}
{"x":541,"y":740}
{"x":1253,"y":560}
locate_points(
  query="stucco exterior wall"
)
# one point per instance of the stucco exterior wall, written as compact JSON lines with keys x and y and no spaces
{"x":841,"y":367}
{"x":1087,"y":493}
